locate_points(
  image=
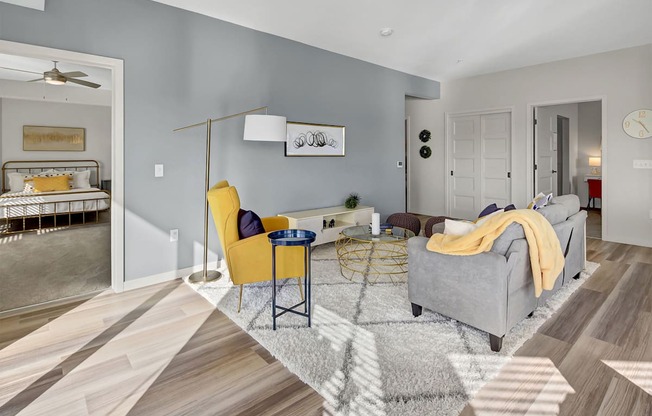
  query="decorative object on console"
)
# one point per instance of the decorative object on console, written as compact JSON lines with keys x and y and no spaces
{"x":305,"y":139}
{"x":638,"y":124}
{"x":425,"y":152}
{"x":43,"y":138}
{"x":258,"y":128}
{"x":352,"y":201}
{"x":595,"y":162}
{"x":424,"y":136}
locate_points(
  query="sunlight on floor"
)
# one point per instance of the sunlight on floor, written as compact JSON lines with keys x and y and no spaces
{"x":525,"y":385}
{"x":638,"y":372}
{"x":362,"y":365}
{"x":11,"y":238}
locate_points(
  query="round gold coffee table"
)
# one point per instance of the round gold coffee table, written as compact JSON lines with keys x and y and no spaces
{"x":376,"y":258}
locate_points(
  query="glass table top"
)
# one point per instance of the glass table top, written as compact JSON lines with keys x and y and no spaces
{"x":363,"y":232}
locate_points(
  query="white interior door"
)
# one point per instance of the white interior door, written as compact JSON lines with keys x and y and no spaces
{"x":464,"y":162}
{"x":495,"y":134}
{"x":545,"y":144}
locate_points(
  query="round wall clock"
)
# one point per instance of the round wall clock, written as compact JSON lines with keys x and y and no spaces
{"x":638,"y":124}
{"x":425,"y":152}
{"x":424,"y":136}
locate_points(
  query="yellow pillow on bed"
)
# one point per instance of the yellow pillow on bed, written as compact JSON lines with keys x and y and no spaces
{"x":54,"y":183}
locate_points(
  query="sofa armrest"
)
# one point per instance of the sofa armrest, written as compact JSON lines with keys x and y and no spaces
{"x":471,"y":289}
{"x":275,"y":223}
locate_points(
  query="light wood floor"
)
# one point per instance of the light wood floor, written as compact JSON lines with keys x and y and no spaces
{"x":165,"y":350}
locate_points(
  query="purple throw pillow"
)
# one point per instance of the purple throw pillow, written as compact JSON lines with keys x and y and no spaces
{"x":489,"y":210}
{"x":509,"y":207}
{"x":249,"y":224}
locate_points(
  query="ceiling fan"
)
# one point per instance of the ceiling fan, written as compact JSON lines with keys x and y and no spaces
{"x":56,"y":77}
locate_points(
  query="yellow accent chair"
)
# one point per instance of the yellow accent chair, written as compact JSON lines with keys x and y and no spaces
{"x":250,"y":260}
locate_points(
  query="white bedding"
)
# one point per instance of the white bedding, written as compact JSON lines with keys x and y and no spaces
{"x":19,"y":204}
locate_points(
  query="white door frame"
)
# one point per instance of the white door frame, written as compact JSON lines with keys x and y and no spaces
{"x":116,"y":66}
{"x":447,"y":130}
{"x":408,"y":163}
{"x":530,"y":151}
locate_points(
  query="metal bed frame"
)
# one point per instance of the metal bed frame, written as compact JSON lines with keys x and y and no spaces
{"x":37,"y":166}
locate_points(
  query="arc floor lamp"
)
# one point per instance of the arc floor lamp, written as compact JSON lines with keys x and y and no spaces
{"x":258,"y":127}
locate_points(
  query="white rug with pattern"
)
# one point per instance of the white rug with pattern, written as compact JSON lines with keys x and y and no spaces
{"x":365,"y":353}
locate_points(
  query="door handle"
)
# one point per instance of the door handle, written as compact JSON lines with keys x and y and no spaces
{"x":554,"y":171}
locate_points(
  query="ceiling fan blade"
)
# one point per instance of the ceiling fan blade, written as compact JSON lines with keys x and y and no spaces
{"x":84,"y":83}
{"x":37,"y":79}
{"x":74,"y":74}
{"x":21,"y":70}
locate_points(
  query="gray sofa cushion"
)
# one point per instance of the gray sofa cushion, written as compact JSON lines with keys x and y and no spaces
{"x":571,"y":202}
{"x":438,"y":228}
{"x":554,"y":213}
{"x":513,"y":232}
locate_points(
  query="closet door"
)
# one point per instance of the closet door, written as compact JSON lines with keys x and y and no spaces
{"x":496,"y":136}
{"x":464,"y":162}
{"x":479,"y":158}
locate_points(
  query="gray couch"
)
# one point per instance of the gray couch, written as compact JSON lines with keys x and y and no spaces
{"x":494,"y":290}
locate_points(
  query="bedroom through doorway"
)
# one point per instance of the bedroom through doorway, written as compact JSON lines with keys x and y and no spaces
{"x":57,"y":130}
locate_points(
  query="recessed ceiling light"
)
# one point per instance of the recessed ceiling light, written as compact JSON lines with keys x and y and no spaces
{"x":387,"y":31}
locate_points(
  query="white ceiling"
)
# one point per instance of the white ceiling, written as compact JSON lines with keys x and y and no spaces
{"x":431,"y":36}
{"x":38,"y":66}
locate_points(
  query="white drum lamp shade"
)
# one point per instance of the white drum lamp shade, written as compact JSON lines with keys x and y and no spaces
{"x":595,"y":163}
{"x":265,"y":128}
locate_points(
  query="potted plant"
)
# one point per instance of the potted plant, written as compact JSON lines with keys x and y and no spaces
{"x":352,"y":201}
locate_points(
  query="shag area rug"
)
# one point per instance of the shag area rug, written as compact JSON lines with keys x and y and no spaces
{"x":365,"y":353}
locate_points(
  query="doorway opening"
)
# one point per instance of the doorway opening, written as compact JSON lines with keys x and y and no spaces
{"x":105,"y":108}
{"x":567,"y":155}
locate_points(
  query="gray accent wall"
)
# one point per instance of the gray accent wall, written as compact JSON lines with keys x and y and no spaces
{"x":181,"y":68}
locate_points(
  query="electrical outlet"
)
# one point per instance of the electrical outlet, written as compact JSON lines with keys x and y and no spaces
{"x":399,"y":164}
{"x":642,"y":164}
{"x":174,"y":235}
{"x":158,"y":171}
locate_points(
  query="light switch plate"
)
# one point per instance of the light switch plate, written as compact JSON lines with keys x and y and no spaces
{"x":158,"y":171}
{"x":399,"y":164}
{"x":174,"y":235}
{"x":642,"y":164}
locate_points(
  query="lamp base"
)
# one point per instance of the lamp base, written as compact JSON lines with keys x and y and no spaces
{"x":198,"y":277}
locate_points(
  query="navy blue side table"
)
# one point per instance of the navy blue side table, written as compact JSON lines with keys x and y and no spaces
{"x":289,"y":238}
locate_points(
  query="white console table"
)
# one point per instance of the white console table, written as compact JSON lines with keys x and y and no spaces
{"x":313,"y":220}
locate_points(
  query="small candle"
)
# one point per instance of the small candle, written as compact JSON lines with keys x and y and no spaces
{"x":375,"y":223}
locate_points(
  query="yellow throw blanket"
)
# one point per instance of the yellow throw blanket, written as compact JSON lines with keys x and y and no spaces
{"x":545,"y":251}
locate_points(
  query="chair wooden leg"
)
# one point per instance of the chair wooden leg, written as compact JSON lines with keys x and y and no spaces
{"x":300,"y":288}
{"x":240,"y":300}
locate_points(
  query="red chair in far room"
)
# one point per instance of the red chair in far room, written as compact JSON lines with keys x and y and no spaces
{"x":595,"y":191}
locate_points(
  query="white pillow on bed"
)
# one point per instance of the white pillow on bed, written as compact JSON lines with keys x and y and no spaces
{"x":16,"y":181}
{"x":81,"y":179}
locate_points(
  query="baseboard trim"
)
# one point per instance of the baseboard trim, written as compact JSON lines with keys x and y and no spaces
{"x":168,"y":276}
{"x":50,"y":304}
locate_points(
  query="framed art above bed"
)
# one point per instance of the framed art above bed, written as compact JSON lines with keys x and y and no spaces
{"x":45,"y":138}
